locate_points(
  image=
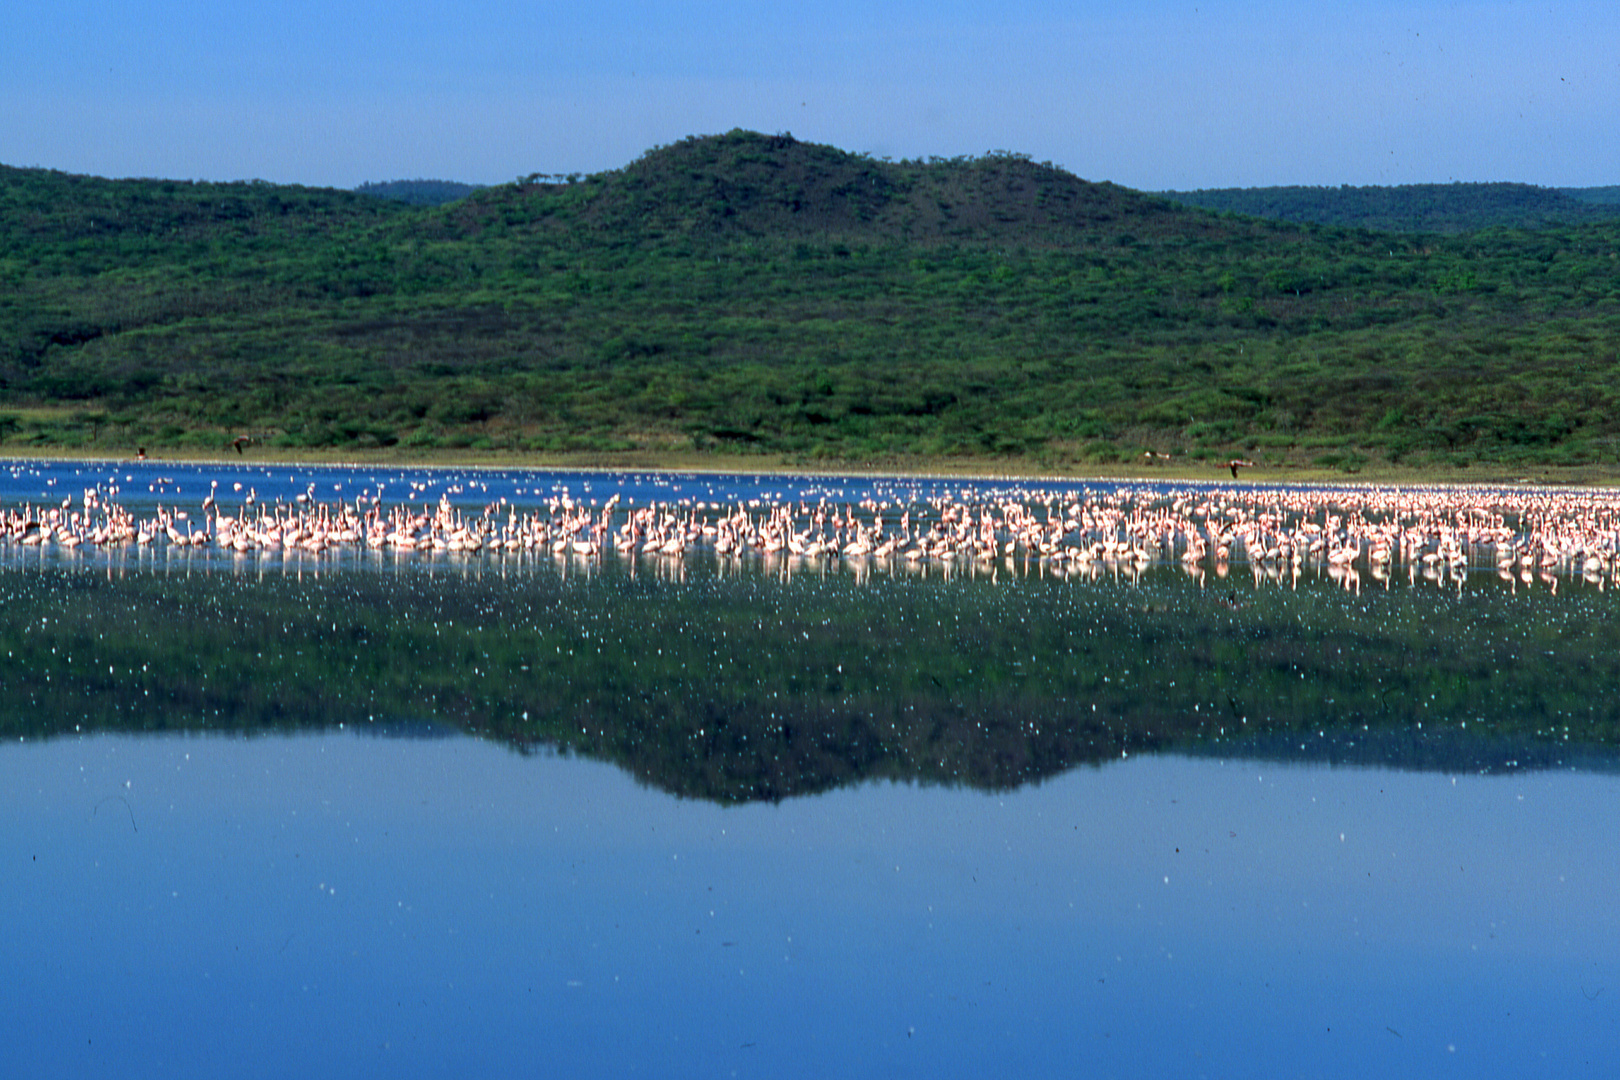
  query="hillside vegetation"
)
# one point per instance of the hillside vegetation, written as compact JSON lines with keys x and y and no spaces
{"x":753,"y":294}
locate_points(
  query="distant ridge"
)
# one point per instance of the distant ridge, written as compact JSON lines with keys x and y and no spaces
{"x":419,"y":192}
{"x":1603,"y":196}
{"x":1415,"y":208}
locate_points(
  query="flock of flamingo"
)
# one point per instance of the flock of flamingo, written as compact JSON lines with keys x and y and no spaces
{"x":1437,"y":531}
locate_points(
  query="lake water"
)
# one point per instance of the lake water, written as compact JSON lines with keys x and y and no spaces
{"x":374,"y":815}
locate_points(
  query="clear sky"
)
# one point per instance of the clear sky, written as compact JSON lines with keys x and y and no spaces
{"x":1152,"y":95}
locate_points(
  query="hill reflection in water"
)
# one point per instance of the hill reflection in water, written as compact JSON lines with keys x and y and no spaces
{"x":766,"y":680}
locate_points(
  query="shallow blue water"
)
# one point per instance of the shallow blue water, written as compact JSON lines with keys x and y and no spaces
{"x":185,"y":483}
{"x":144,"y":481}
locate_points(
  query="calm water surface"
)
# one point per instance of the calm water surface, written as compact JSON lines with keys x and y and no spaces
{"x":339,"y":905}
{"x":379,"y":819}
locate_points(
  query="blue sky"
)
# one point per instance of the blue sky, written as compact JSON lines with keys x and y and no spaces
{"x":1152,"y":95}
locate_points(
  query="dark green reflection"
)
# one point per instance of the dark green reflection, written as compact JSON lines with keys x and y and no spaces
{"x":742,"y":683}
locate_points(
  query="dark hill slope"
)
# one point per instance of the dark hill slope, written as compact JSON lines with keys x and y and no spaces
{"x":147,"y":218}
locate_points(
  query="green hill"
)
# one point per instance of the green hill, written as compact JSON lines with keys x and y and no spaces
{"x":753,"y":294}
{"x":774,"y":187}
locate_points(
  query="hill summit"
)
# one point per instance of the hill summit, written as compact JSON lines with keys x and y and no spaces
{"x":744,"y":183}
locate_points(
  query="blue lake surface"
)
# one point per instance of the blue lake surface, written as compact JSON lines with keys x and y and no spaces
{"x":146,"y":481}
{"x":273,"y":816}
{"x":345,"y":905}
